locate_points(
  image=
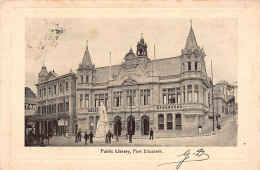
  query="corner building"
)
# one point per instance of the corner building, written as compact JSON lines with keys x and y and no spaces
{"x":170,"y":95}
{"x":56,"y":102}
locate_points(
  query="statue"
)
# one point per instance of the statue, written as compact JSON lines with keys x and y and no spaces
{"x":102,"y":124}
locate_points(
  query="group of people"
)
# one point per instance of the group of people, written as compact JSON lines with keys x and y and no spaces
{"x":86,"y":137}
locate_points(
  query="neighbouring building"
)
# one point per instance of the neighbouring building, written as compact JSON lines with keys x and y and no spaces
{"x":170,"y":95}
{"x":30,"y":108}
{"x":56,"y":102}
{"x":224,"y":98}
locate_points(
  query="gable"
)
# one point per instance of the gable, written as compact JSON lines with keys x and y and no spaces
{"x":50,"y":76}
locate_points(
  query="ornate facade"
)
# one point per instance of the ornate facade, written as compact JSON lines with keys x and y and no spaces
{"x":170,"y":95}
{"x":56,"y":103}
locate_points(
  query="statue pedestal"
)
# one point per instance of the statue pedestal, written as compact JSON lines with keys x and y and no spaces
{"x":102,"y":129}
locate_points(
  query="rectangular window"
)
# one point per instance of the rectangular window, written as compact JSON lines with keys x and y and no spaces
{"x":86,"y":78}
{"x":183,"y":94}
{"x":189,"y":65}
{"x":130,"y":97}
{"x":101,"y":98}
{"x":196,"y":65}
{"x":86,"y":100}
{"x":196,"y":93}
{"x":169,"y":122}
{"x":117,"y":99}
{"x":178,"y":95}
{"x":91,"y":123}
{"x":189,"y":93}
{"x":44,"y":92}
{"x":160,"y":122}
{"x":81,"y":100}
{"x":145,"y":97}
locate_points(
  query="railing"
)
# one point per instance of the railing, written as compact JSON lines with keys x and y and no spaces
{"x":178,"y":106}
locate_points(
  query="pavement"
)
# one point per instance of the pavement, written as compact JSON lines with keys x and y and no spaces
{"x":226,"y":136}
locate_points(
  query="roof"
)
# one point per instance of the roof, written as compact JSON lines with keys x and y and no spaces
{"x":30,"y":100}
{"x":191,"y":42}
{"x":223,"y":82}
{"x":102,"y":73}
{"x":86,"y":61}
{"x":166,"y":66}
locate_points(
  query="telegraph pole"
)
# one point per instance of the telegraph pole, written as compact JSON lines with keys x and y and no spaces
{"x":212,"y":98}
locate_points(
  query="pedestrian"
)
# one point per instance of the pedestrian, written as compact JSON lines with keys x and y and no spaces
{"x":151,"y":134}
{"x":91,"y":137}
{"x":79,"y":135}
{"x":130,"y":138}
{"x":200,"y":129}
{"x":76,"y":137}
{"x":47,"y":138}
{"x":86,"y":138}
{"x":109,"y":135}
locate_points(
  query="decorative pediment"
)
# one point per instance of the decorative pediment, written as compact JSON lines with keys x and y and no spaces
{"x":51,"y":75}
{"x":129,"y":81}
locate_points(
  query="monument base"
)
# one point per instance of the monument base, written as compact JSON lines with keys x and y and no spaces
{"x":102,"y":129}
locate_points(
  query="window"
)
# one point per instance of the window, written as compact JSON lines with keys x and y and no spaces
{"x":169,"y":121}
{"x":171,"y":96}
{"x":81,"y":79}
{"x":101,"y":98}
{"x":60,"y":87}
{"x":183,"y":67}
{"x":130,"y":97}
{"x":189,"y":93}
{"x":160,"y":122}
{"x":178,"y":95}
{"x":204,"y":96}
{"x":40,"y":92}
{"x":178,"y":121}
{"x":49,"y":90}
{"x":196,"y":65}
{"x":44,"y":91}
{"x":55,"y":89}
{"x":196,"y":93}
{"x":145,"y":97}
{"x":39,"y":110}
{"x":80,"y":100}
{"x":67,"y":106}
{"x":54,"y":106}
{"x":67,"y":86}
{"x":91,"y":123}
{"x":164,"y":96}
{"x":86,"y":78}
{"x":183,"y":94}
{"x":87,"y":100}
{"x":117,"y":99}
{"x":189,"y":65}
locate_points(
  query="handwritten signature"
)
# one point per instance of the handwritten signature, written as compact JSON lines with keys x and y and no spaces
{"x":199,"y":155}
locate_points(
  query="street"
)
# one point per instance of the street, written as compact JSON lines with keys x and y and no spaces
{"x":226,"y":136}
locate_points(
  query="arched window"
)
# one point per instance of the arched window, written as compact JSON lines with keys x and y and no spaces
{"x":44,"y":91}
{"x":54,"y":108}
{"x":40,"y":91}
{"x":169,"y":121}
{"x":67,"y":86}
{"x":81,"y":79}
{"x":49,"y":90}
{"x":86,"y":78}
{"x":39,"y":110}
{"x":60,"y":87}
{"x":189,"y":65}
{"x":196,"y":65}
{"x":161,"y":122}
{"x":67,"y":106}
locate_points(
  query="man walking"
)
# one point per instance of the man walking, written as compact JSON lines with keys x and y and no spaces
{"x":91,"y":137}
{"x":151,"y":134}
{"x":109,"y":135}
{"x":86,"y":138}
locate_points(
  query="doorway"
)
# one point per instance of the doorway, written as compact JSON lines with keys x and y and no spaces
{"x":117,"y":126}
{"x":131,"y":125}
{"x":145,"y":125}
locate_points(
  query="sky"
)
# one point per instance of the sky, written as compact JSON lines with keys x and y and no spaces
{"x":60,"y":43}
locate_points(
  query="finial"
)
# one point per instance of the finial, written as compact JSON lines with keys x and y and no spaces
{"x":87,"y":42}
{"x":86,"y":45}
{"x":191,"y":22}
{"x":43,"y":64}
{"x":131,"y":49}
{"x":141,"y":35}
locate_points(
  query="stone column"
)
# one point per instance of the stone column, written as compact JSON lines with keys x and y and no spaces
{"x":165,"y":121}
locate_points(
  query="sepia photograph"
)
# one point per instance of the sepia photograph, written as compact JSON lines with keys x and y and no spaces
{"x":157,"y":82}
